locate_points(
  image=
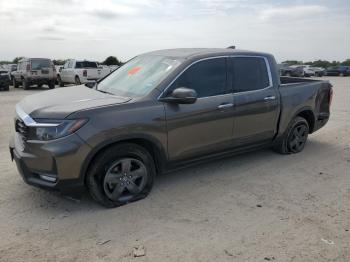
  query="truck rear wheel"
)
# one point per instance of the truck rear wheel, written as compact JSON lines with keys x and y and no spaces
{"x":25,"y":84}
{"x":121,"y":174}
{"x":77,"y":81}
{"x":59,"y":80}
{"x":51,"y":84}
{"x":295,"y":137}
{"x":15,"y":84}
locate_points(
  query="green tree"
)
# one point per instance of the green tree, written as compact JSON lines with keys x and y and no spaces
{"x":346,"y":62}
{"x":321,"y":63}
{"x":15,"y":60}
{"x":59,"y":61}
{"x":293,"y":62}
{"x":111,"y":60}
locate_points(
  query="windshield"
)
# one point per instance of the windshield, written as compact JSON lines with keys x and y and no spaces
{"x":86,"y":64}
{"x":39,"y":64}
{"x":139,"y":76}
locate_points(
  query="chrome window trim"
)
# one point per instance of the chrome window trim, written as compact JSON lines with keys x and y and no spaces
{"x":28,"y":121}
{"x":268,"y":68}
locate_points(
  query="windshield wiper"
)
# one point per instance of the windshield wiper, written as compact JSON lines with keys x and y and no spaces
{"x":105,"y":92}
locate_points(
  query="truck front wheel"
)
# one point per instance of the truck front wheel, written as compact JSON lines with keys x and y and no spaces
{"x":295,"y":137}
{"x":121,"y":174}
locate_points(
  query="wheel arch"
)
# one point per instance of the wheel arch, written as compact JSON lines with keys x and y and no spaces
{"x":151,"y":145}
{"x":309,"y":116}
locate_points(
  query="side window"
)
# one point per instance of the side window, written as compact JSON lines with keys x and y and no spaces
{"x":66,"y":65}
{"x":70,"y":65}
{"x":207,"y":77}
{"x":249,"y":74}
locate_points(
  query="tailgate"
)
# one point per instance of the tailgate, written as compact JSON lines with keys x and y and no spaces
{"x":92,"y":73}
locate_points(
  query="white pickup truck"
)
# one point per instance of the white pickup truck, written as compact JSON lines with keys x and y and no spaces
{"x":80,"y":72}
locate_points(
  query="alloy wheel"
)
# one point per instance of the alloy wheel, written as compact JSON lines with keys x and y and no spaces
{"x":298,"y":138}
{"x":125,"y":179}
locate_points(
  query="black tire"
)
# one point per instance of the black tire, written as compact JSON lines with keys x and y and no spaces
{"x":25,"y":85}
{"x":295,"y":137}
{"x":15,"y":84}
{"x":51,"y":84}
{"x":341,"y":74}
{"x":109,"y":175}
{"x":77,"y":81}
{"x":59,"y":80}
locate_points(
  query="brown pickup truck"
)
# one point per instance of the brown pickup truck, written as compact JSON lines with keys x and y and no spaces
{"x":158,"y":112}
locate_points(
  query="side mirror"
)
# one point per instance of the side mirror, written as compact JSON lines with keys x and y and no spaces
{"x":181,"y":95}
{"x":90,"y":84}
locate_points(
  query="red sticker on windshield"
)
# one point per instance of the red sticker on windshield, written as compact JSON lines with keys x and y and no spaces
{"x":134,"y":70}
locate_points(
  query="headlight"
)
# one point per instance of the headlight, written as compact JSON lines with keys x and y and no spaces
{"x":49,"y":130}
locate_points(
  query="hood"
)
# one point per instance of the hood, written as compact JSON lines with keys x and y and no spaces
{"x":59,"y":103}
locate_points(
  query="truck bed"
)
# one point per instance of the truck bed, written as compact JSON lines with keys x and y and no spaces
{"x":300,"y":94}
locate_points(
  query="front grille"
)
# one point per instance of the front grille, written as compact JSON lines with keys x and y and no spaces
{"x":21,"y":128}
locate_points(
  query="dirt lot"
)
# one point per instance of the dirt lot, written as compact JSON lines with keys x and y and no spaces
{"x":258,"y":206}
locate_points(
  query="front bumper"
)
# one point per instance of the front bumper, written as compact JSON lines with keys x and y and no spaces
{"x":52,"y":165}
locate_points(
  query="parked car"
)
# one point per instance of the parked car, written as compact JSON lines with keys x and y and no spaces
{"x":34,"y":71}
{"x":4,"y":79}
{"x":319,"y":71}
{"x":58,"y":71}
{"x":113,"y":67}
{"x":307,"y":70}
{"x":10,"y":69}
{"x":295,"y":71}
{"x":338,"y":71}
{"x":160,"y":111}
{"x":80,"y":72}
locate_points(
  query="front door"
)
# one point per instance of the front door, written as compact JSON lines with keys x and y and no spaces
{"x":205,"y":126}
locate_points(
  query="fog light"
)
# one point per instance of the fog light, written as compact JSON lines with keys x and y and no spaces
{"x":48,"y":178}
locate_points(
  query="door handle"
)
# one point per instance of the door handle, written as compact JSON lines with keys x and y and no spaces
{"x":268,"y":98}
{"x":222,"y":106}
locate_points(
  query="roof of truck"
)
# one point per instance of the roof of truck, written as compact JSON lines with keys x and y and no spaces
{"x":186,"y":53}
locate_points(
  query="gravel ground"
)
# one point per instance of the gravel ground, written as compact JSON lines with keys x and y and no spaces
{"x":259,"y":206}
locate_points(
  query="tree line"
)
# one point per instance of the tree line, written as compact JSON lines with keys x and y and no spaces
{"x":318,"y":63}
{"x":111,"y":60}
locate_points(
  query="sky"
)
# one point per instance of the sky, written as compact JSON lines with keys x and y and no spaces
{"x":90,"y":29}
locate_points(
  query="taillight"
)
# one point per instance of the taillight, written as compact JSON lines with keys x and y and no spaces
{"x":85,"y":73}
{"x":330,"y":96}
{"x":28,"y":67}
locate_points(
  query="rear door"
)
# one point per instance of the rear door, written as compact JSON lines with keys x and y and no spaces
{"x":41,"y":68}
{"x":205,"y":126}
{"x":255,"y":98}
